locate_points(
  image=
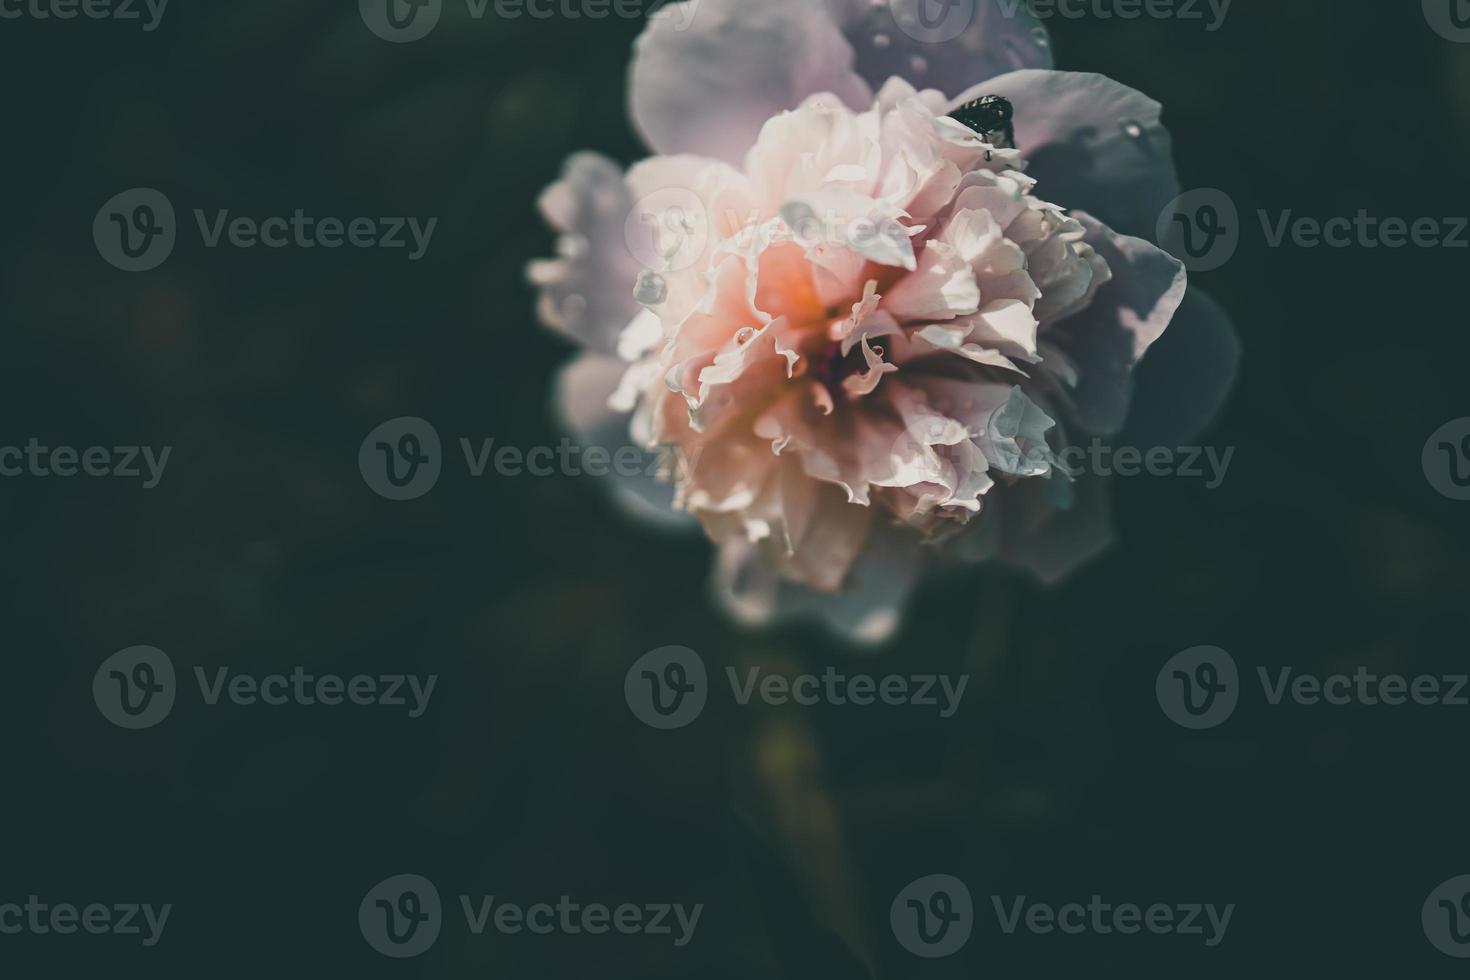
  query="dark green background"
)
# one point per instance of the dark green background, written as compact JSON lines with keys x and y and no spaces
{"x":528,"y":778}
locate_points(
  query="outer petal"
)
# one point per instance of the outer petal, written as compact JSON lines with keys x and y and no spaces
{"x":587,"y":293}
{"x":582,"y":391}
{"x":1091,"y":143}
{"x":1125,"y":317}
{"x":866,"y":613}
{"x":1025,"y":528}
{"x":971,"y":41}
{"x":706,"y":75}
{"x":1186,"y":377}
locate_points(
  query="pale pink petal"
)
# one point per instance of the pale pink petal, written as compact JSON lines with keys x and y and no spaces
{"x":582,"y":391}
{"x":942,"y":288}
{"x":707,"y":76}
{"x":587,"y":293}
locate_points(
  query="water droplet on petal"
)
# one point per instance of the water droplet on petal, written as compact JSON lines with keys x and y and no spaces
{"x":919,"y":64}
{"x":1039,"y":35}
{"x":651,"y":288}
{"x":573,"y":307}
{"x":572,"y":246}
{"x":743,"y":335}
{"x":881,"y":40}
{"x":1132,"y":129}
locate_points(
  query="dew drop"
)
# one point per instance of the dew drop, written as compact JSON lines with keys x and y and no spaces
{"x":651,"y":289}
{"x":572,"y":246}
{"x":573,"y":307}
{"x":1132,"y":129}
{"x":743,"y":335}
{"x":881,"y":41}
{"x":1039,"y":35}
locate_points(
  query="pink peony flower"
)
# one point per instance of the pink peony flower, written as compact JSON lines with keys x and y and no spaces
{"x":864,"y":330}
